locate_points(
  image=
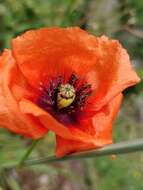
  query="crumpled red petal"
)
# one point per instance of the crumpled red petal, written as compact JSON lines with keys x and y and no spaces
{"x":70,"y":132}
{"x":10,"y":116}
{"x":50,"y":52}
{"x":113,"y":72}
{"x":100,"y":130}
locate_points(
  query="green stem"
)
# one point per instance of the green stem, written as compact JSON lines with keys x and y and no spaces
{"x":28,"y":152}
{"x":118,"y":148}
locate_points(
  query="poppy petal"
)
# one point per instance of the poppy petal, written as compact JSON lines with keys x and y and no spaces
{"x":51,"y":123}
{"x":112,"y":73}
{"x":100,"y":130}
{"x":51,"y":52}
{"x":10,"y":116}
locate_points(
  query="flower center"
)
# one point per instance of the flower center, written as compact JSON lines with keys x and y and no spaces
{"x":65,"y":96}
{"x":64,"y":100}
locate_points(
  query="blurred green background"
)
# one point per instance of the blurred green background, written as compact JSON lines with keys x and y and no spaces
{"x":120,"y":19}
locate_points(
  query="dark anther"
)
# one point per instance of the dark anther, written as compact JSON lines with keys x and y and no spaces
{"x":85,"y":87}
{"x":73,"y":80}
{"x":59,"y":80}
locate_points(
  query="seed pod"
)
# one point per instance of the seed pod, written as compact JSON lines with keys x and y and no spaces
{"x":65,"y":96}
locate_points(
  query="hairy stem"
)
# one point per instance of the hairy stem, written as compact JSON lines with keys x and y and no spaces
{"x":27,"y":154}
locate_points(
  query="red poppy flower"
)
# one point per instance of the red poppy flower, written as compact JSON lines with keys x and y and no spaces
{"x":67,"y":81}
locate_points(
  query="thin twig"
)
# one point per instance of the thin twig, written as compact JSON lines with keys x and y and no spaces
{"x":135,"y":32}
{"x":118,"y":148}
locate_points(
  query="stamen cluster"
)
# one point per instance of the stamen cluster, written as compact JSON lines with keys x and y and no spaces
{"x":52,"y":97}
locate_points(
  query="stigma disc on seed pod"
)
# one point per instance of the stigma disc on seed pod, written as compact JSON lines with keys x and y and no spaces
{"x":65,"y":96}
